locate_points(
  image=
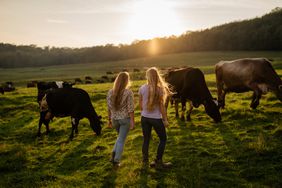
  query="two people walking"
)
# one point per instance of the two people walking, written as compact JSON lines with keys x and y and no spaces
{"x":152,"y":96}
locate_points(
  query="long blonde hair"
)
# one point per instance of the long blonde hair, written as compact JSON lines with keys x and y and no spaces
{"x":122,"y":82}
{"x":157,"y":88}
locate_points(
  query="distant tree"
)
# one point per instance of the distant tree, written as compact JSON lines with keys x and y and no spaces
{"x":264,"y":33}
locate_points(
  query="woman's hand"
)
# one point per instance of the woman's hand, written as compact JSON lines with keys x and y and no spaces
{"x":131,"y":125}
{"x":166,"y":124}
{"x":110,"y":124}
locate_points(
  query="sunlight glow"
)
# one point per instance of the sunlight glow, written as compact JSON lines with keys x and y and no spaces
{"x":152,"y":19}
{"x":154,"y":47}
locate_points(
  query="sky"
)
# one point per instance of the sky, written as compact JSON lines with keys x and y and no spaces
{"x":84,"y":23}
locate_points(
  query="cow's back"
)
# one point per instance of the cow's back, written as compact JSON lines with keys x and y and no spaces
{"x":195,"y":87}
{"x":176,"y":78}
{"x":239,"y":74}
{"x":189,"y":83}
{"x":68,"y":101}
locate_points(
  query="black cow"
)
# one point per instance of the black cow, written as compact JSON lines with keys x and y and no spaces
{"x":72,"y":102}
{"x":189,"y":84}
{"x":31,"y":84}
{"x":42,"y":87}
{"x":8,"y":86}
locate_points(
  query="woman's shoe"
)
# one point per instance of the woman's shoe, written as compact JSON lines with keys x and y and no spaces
{"x":116,"y":164}
{"x":160,"y":164}
{"x":113,"y":157}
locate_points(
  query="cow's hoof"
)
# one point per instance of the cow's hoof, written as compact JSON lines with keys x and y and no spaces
{"x":254,"y":106}
{"x":182,"y":119}
{"x":188,"y":118}
{"x":38,"y":134}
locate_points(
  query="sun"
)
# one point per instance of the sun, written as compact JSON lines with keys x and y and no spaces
{"x":150,"y":19}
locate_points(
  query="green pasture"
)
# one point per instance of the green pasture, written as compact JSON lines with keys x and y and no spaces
{"x":204,"y":60}
{"x":244,"y":150}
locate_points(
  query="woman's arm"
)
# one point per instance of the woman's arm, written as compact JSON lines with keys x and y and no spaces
{"x":140,"y":102}
{"x":130,"y":108}
{"x":110,"y":119}
{"x":163,"y":112}
{"x":131,"y":115}
{"x":109,"y":111}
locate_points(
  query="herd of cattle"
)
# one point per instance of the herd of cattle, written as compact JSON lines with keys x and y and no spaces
{"x":242,"y":75}
{"x":188,"y":84}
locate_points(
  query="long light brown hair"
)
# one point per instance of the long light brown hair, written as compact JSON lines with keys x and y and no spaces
{"x":157,"y":88}
{"x":122,"y":82}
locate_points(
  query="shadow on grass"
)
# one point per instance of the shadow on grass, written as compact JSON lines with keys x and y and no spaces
{"x":254,"y":161}
{"x":110,"y":178}
{"x":78,"y":159}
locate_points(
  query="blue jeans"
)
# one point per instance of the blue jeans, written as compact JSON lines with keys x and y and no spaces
{"x":122,"y":127}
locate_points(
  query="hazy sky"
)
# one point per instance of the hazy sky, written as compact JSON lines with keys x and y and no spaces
{"x":81,"y":23}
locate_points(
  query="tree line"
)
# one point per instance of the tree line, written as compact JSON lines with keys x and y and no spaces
{"x":261,"y":33}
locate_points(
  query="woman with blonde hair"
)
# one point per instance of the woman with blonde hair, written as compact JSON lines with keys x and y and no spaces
{"x":121,"y":113}
{"x":152,"y":97}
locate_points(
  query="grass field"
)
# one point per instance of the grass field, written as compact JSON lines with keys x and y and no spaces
{"x":244,"y":150}
{"x":205,"y":60}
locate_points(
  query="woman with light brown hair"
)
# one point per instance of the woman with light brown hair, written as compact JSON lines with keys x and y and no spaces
{"x":121,"y":113}
{"x":152,"y":97}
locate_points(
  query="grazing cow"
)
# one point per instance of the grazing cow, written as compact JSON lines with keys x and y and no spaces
{"x":42,"y":87}
{"x":8,"y":86}
{"x":31,"y":84}
{"x":189,"y":84}
{"x":88,"y":82}
{"x":242,"y":75}
{"x":77,"y":80}
{"x":88,"y":78}
{"x":72,"y":102}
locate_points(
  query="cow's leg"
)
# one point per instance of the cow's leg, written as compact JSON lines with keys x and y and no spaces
{"x":183,"y":103}
{"x":47,"y":117}
{"x":41,"y":120}
{"x":256,"y":95}
{"x":255,"y":99}
{"x":189,"y":111}
{"x":223,"y":99}
{"x":176,"y":108}
{"x":44,"y":121}
{"x":72,"y":127}
{"x":220,"y":92}
{"x":76,"y":125}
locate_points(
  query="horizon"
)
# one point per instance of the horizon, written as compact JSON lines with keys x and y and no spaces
{"x":75,"y":24}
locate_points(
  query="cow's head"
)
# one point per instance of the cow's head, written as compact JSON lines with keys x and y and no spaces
{"x":96,"y":126}
{"x":212,"y":109}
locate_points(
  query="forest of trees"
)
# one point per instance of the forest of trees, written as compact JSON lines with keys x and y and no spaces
{"x":264,"y":33}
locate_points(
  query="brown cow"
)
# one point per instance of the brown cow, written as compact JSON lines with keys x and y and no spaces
{"x":242,"y":75}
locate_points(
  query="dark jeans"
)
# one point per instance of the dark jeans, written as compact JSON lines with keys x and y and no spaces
{"x":158,"y":125}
